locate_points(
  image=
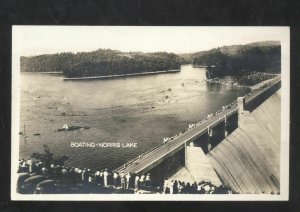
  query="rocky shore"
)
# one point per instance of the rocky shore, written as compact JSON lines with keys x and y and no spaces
{"x":252,"y":81}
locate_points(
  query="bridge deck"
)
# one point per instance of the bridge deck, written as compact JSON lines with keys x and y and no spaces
{"x":148,"y":160}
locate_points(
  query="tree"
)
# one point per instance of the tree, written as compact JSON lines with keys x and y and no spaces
{"x":47,"y":157}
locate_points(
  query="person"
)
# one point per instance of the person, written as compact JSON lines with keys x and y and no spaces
{"x":175,"y":187}
{"x":79,"y":175}
{"x":110,"y":180}
{"x":183,"y":188}
{"x":97,"y":177}
{"x":179,"y":187}
{"x":127,"y":180}
{"x":52,"y":170}
{"x":206,"y":188}
{"x":199,"y":189}
{"x":24,"y":166}
{"x":136,"y":182}
{"x":188,"y":188}
{"x":142,"y":180}
{"x":171,"y":184}
{"x":29,"y":163}
{"x":212,"y":190}
{"x":63,"y":177}
{"x":194,"y":188}
{"x":105,"y":175}
{"x":36,"y":167}
{"x":147,"y":180}
{"x":90,"y":176}
{"x":44,"y":171}
{"x":55,"y":172}
{"x":165,"y":186}
{"x":72,"y":176}
{"x":122,"y":178}
{"x":115,"y":176}
{"x":84,"y":176}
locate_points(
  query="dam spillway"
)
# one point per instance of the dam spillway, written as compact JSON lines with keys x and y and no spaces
{"x":248,"y":160}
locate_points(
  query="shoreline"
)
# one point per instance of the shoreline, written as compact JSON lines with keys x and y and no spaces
{"x":252,"y":87}
{"x":122,"y":75}
{"x":227,"y":83}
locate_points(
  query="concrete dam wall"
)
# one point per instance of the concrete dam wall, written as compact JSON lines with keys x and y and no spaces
{"x":248,"y":160}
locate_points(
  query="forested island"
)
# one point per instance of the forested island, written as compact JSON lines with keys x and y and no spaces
{"x":247,"y":64}
{"x":102,"y":62}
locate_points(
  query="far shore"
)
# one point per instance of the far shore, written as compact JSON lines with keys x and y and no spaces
{"x":121,"y":75}
{"x":235,"y":84}
{"x":227,"y":83}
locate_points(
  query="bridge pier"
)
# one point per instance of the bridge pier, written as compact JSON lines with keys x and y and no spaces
{"x":210,"y":138}
{"x":241,"y":104}
{"x":241,"y":110}
{"x":231,"y":123}
{"x":225,"y":126}
{"x":216,"y":135}
{"x":168,"y":166}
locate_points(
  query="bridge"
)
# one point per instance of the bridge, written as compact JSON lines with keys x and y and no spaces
{"x":206,"y":129}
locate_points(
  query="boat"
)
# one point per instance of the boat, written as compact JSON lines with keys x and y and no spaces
{"x":23,"y":134}
{"x":65,"y":127}
{"x":72,"y":128}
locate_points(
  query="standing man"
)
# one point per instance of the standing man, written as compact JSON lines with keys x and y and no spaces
{"x":127,"y":180}
{"x":29,"y":163}
{"x":136,"y":182}
{"x":147,"y":180}
{"x":122,"y":176}
{"x":165,"y":186}
{"x":142,"y":180}
{"x":105,"y":175}
{"x":101,"y":178}
{"x":97,"y":177}
{"x":171,"y":183}
{"x":115,"y":176}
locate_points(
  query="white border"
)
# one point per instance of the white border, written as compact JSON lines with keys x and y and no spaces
{"x":17,"y":41}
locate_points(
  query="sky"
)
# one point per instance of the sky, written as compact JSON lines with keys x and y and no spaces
{"x":36,"y":40}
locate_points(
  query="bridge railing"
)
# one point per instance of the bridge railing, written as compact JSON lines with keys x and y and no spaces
{"x":274,"y":80}
{"x":269,"y":84}
{"x":171,"y":138}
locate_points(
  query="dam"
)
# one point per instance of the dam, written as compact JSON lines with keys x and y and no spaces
{"x":238,"y":147}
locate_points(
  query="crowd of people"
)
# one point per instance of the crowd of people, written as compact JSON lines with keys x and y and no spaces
{"x":76,"y":180}
{"x":203,"y":187}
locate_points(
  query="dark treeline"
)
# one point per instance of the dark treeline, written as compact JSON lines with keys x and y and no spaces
{"x":235,"y":60}
{"x":240,"y":60}
{"x":47,"y":62}
{"x":102,"y":62}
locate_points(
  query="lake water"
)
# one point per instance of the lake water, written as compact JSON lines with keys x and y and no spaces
{"x":139,"y":109}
